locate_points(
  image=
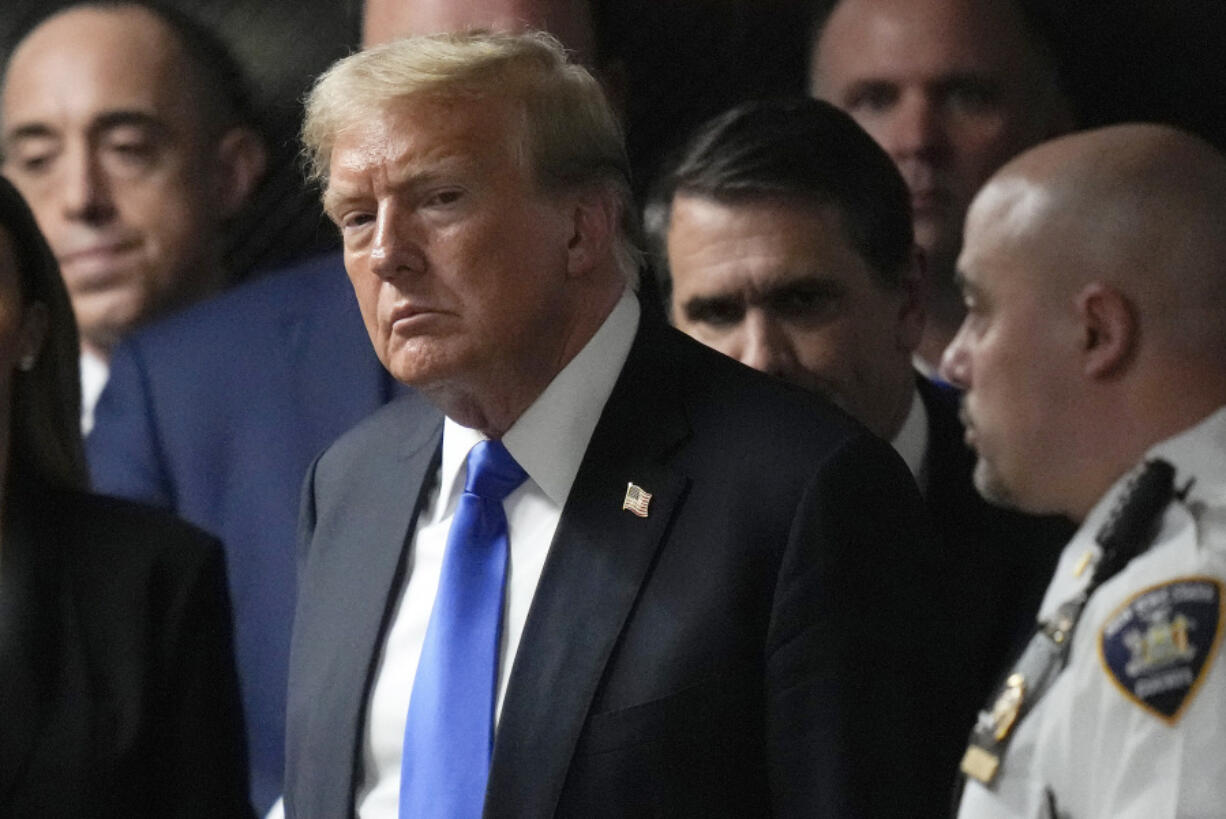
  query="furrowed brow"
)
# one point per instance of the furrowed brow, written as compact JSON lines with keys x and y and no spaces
{"x":127,"y":119}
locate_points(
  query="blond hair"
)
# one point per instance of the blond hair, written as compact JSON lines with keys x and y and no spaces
{"x":570,"y":136}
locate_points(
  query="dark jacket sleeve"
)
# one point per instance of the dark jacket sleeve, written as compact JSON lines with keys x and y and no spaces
{"x":852,"y":680}
{"x":202,"y":771}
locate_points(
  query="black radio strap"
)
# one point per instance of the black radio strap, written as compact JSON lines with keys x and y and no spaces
{"x":1128,"y":531}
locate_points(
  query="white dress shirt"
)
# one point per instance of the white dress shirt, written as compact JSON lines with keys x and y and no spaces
{"x":548,"y":441}
{"x":911,"y":442}
{"x":94,"y":373}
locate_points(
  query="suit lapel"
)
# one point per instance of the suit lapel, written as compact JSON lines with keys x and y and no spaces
{"x":366,"y":531}
{"x":598,"y":561}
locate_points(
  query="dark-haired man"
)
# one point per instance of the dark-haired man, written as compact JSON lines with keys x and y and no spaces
{"x":951,"y":89}
{"x":785,"y":234}
{"x":125,"y":129}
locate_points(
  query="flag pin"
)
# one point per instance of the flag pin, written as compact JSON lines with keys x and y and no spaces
{"x":636,"y":500}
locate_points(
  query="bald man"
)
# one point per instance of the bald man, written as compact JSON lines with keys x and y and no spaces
{"x":951,"y":89}
{"x":1094,"y":274}
{"x":126,"y":128}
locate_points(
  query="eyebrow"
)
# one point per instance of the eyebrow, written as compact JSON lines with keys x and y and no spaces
{"x":103,"y":122}
{"x":416,"y":179}
{"x":815,"y":285}
{"x":865,"y":84}
{"x":700,"y":305}
{"x":331,"y":200}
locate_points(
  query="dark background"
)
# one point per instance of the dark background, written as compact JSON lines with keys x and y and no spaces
{"x":685,"y":60}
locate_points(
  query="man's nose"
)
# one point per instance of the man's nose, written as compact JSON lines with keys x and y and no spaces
{"x":955,"y":364}
{"x":86,"y":189}
{"x":765,"y":344}
{"x":395,"y":249}
{"x":916,"y":130}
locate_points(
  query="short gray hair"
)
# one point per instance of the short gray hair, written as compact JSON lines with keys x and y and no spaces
{"x":571,"y":137}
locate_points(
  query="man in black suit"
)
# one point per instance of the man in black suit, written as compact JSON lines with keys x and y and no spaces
{"x":783,"y":235}
{"x":713,"y":589}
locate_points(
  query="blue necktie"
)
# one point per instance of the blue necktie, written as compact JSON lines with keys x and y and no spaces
{"x":449,"y":734}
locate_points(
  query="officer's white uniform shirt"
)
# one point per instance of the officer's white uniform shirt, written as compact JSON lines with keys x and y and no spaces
{"x":1135,"y":725}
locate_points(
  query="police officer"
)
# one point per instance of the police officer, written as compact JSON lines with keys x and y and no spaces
{"x":1094,"y":277}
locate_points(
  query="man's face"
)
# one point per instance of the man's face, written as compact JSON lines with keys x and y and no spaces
{"x":459,"y":262}
{"x":102,"y":138}
{"x":1011,"y":356}
{"x":950,"y":88}
{"x":776,"y":284}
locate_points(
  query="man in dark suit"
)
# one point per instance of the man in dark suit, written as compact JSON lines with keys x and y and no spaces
{"x":217,"y":412}
{"x":697,"y":591}
{"x":783,"y":235}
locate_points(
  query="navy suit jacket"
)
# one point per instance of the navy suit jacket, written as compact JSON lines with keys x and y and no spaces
{"x":216,"y":413}
{"x":999,"y":563}
{"x":759,"y":643}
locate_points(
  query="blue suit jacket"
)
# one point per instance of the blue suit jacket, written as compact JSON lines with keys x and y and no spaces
{"x":216,"y":413}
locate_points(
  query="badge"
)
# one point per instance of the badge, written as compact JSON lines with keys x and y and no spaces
{"x":637,"y":500}
{"x":1158,"y":645}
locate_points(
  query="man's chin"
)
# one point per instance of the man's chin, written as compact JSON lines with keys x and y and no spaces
{"x":105,"y":318}
{"x":422,"y":366}
{"x":992,"y":488}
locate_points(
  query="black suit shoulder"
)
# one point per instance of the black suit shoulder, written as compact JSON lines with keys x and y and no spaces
{"x":137,"y":713}
{"x":754,"y":422}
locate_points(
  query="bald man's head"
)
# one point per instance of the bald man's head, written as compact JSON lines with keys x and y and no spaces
{"x":1094,"y":274}
{"x":1138,"y":207}
{"x":568,"y":20}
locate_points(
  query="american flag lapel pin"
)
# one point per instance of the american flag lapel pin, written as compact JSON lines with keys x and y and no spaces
{"x":636,"y":500}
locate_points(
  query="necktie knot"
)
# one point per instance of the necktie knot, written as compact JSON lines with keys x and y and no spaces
{"x":492,"y":472}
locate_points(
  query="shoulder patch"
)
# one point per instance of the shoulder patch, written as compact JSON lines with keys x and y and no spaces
{"x":1158,"y":645}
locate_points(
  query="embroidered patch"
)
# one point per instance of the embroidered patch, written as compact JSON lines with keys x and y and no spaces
{"x":1159,"y":643}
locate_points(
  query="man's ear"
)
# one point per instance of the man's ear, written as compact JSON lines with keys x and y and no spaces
{"x":242,"y":158}
{"x":913,"y":309}
{"x":594,"y":225}
{"x":1109,"y":330}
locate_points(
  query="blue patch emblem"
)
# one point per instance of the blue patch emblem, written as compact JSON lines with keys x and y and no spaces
{"x":1159,"y":643}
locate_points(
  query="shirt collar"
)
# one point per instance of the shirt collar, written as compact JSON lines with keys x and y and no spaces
{"x":94,"y":372}
{"x":1196,"y":454}
{"x":911,"y":442}
{"x":550,"y":438}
